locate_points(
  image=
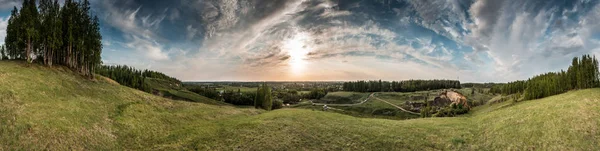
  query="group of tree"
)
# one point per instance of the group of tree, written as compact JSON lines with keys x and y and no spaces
{"x":582,"y":74}
{"x":209,"y":92}
{"x":316,"y":94}
{"x":131,"y":77}
{"x":288,"y":96}
{"x":238,"y":98}
{"x":51,"y":34}
{"x":478,"y":85}
{"x":263,"y":98}
{"x":509,"y":88}
{"x":400,"y":86}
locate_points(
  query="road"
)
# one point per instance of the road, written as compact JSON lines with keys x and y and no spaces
{"x":371,"y":95}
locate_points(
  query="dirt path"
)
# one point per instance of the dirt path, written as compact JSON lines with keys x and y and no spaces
{"x":371,"y":95}
{"x":407,"y":111}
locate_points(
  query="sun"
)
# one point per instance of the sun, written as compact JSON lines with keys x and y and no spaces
{"x":297,"y":49}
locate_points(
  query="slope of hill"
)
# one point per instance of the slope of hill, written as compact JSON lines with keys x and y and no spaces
{"x":175,"y":91}
{"x":54,"y":109}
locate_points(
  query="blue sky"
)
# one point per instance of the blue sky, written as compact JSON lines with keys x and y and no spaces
{"x":254,"y":40}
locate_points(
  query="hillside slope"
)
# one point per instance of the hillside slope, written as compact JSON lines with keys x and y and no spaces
{"x":54,"y":109}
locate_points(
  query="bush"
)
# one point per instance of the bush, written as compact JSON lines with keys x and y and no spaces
{"x":277,"y":104}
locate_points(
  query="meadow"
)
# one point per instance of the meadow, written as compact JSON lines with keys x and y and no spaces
{"x":45,"y":108}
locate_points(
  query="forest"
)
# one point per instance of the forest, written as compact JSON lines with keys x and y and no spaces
{"x":131,"y":77}
{"x":400,"y":86}
{"x":582,"y":74}
{"x":51,"y":34}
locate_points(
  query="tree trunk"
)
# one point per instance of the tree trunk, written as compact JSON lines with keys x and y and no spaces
{"x":28,"y":49}
{"x":45,"y":55}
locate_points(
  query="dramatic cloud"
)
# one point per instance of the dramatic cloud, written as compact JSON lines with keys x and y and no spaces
{"x":470,"y":40}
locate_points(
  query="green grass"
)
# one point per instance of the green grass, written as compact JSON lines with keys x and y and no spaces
{"x":343,"y":98}
{"x":54,"y":109}
{"x":177,"y":92}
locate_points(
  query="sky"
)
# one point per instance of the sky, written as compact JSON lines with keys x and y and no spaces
{"x":338,"y":40}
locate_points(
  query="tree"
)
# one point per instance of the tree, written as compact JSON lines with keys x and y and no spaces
{"x":2,"y":53}
{"x":258,"y":98}
{"x":263,"y":98}
{"x":30,"y":26}
{"x":69,"y":36}
{"x":13,"y":39}
{"x":268,"y":100}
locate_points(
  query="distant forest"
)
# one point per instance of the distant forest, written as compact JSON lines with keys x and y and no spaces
{"x":582,"y":74}
{"x":400,"y":86}
{"x":46,"y":32}
{"x":131,"y":77}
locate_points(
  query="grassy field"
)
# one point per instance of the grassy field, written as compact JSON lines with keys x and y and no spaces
{"x":177,"y":92}
{"x":343,"y":98}
{"x":54,"y":109}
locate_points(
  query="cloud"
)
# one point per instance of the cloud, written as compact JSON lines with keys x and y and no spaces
{"x":520,"y":39}
{"x":478,"y":40}
{"x":3,"y":24}
{"x":191,"y":32}
{"x":150,"y":49}
{"x":6,"y":5}
{"x":138,"y":29}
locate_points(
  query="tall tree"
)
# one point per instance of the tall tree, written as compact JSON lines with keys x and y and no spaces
{"x":13,"y":40}
{"x":30,"y":25}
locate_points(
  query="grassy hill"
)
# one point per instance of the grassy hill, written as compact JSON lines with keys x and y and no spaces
{"x":55,"y":109}
{"x":177,"y":92}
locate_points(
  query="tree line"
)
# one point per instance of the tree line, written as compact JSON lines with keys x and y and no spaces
{"x":582,"y":74}
{"x":400,"y":86}
{"x":131,"y":77}
{"x":46,"y":32}
{"x":509,"y":88}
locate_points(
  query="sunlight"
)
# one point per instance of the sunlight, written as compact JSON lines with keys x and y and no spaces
{"x":297,"y":49}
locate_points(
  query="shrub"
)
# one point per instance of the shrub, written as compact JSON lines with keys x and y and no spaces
{"x":277,"y":104}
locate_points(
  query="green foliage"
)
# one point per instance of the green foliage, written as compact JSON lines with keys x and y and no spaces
{"x":205,"y":91}
{"x":277,"y":104}
{"x":263,"y":97}
{"x":582,"y":74}
{"x":67,"y":36}
{"x":426,"y":111}
{"x":238,"y":98}
{"x":288,"y":96}
{"x":509,"y":88}
{"x":131,"y":77}
{"x":268,"y":100}
{"x":400,"y":86}
{"x":343,"y":98}
{"x":316,"y":94}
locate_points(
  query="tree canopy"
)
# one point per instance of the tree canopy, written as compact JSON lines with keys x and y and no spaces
{"x":400,"y":86}
{"x":67,"y":35}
